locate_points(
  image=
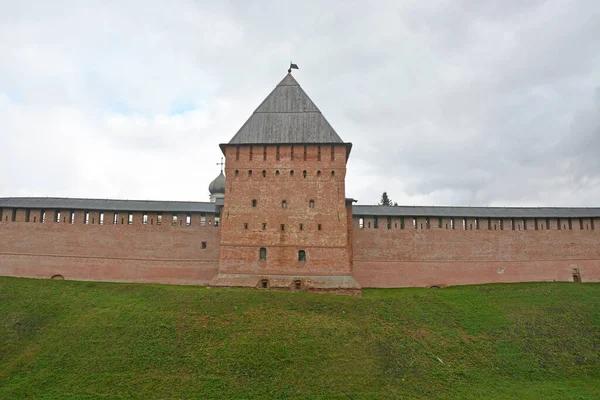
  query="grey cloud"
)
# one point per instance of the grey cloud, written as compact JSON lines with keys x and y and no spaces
{"x":446,"y":102}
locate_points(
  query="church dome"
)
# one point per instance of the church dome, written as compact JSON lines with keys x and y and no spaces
{"x":218,"y":185}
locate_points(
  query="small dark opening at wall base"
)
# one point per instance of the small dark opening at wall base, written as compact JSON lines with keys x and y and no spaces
{"x":264,"y":283}
{"x":297,"y":284}
{"x":576,"y":278}
{"x":58,"y":277}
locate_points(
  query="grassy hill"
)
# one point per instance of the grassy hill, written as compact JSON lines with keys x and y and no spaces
{"x":61,"y":339}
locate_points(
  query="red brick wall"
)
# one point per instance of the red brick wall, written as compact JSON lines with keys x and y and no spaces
{"x":326,"y":249}
{"x":132,"y":253}
{"x":425,"y":257}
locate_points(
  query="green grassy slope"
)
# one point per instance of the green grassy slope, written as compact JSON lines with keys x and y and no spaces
{"x":61,"y":339}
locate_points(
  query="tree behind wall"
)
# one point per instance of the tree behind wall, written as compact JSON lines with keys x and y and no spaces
{"x":385,"y":200}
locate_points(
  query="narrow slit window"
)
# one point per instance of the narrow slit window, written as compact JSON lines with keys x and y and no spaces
{"x":301,"y":255}
{"x":237,"y":173}
{"x":277,"y":173}
{"x":254,"y":203}
{"x":535,"y":224}
{"x":476,"y":223}
{"x":27,"y":215}
{"x":304,"y":173}
{"x":13,"y":217}
{"x":319,"y":227}
{"x":558,"y":224}
{"x":282,"y":227}
{"x":264,"y":226}
{"x":570,"y":222}
{"x":547,"y":223}
{"x":512,"y":223}
{"x":251,"y":152}
{"x":332,"y":173}
{"x":245,"y":225}
{"x":389,"y":222}
{"x":414,"y":223}
{"x":375,"y":223}
{"x":264,"y":173}
{"x":301,"y":227}
{"x":332,"y":153}
{"x":292,"y":153}
{"x":188,"y":220}
{"x":284,"y":204}
{"x":581,"y":223}
{"x":440,"y":223}
{"x":203,"y":245}
{"x":237,"y":153}
{"x":427,"y":223}
{"x":524,"y":224}
{"x":292,"y":172}
{"x":249,"y":173}
{"x":592,"y":224}
{"x":277,"y":157}
{"x":311,"y":204}
{"x":319,"y":173}
{"x":319,"y":153}
{"x":304,"y":158}
{"x":401,"y":222}
{"x":264,"y":153}
{"x":262,"y":253}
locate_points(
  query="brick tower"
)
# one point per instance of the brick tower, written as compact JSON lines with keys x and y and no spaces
{"x":285,"y":220}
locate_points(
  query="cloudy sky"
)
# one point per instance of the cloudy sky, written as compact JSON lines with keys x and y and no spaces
{"x":446,"y":102}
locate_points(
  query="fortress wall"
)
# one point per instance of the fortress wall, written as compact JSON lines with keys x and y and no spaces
{"x":134,"y":252}
{"x":432,"y":257}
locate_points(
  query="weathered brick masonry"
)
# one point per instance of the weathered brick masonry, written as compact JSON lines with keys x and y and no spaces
{"x":281,"y":220}
{"x":398,"y":257}
{"x":138,"y":252}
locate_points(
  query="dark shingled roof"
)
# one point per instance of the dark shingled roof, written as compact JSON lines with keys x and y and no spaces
{"x":286,"y":116}
{"x":491,"y":212}
{"x":107,"y":204}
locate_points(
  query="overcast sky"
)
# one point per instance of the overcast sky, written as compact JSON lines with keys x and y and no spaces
{"x":446,"y":102}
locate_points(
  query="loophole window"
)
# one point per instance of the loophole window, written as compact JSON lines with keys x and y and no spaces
{"x":301,"y":255}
